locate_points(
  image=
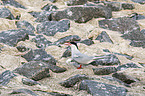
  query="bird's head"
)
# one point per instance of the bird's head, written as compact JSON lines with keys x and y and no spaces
{"x":72,"y":43}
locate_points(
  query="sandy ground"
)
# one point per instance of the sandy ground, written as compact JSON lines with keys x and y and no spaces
{"x":84,"y":30}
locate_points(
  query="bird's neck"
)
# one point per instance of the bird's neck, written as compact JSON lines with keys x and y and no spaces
{"x":74,"y":50}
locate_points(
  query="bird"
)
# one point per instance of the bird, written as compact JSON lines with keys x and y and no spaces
{"x":79,"y":57}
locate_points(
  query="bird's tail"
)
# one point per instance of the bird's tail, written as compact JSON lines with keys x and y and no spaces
{"x":98,"y":57}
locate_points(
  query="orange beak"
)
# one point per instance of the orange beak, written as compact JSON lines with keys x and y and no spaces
{"x":68,"y":43}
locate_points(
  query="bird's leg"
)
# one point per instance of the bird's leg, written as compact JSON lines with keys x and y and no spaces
{"x":80,"y":66}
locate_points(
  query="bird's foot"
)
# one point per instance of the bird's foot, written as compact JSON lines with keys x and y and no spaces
{"x":80,"y":67}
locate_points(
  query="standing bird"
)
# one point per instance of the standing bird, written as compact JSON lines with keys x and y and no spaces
{"x":79,"y":57}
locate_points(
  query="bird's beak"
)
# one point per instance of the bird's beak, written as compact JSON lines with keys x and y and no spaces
{"x":67,"y":43}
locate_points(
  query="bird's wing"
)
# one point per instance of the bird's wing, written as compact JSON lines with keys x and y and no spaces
{"x":78,"y":56}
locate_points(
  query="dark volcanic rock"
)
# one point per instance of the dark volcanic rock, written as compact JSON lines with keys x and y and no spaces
{"x":128,"y":65}
{"x":125,"y":55}
{"x":122,"y":24}
{"x":52,"y":1}
{"x":142,"y":64}
{"x":127,"y":26}
{"x":5,"y":77}
{"x":26,"y":91}
{"x":34,"y":14}
{"x":6,"y":13}
{"x":86,"y":13}
{"x":12,"y":37}
{"x":43,"y":16}
{"x":29,"y":82}
{"x":128,"y":6}
{"x":104,"y":71}
{"x":138,"y":43}
{"x":104,"y":37}
{"x":115,"y":6}
{"x":70,"y":82}
{"x":67,"y":52}
{"x":35,"y":70}
{"x":13,"y":3}
{"x":137,"y":16}
{"x":53,"y":93}
{"x":56,"y":69}
{"x":134,"y":35}
{"x":139,"y":1}
{"x":50,"y":28}
{"x":68,"y":39}
{"x":49,"y":7}
{"x":22,"y":48}
{"x":109,"y":59}
{"x":26,"y":25}
{"x":115,"y":79}
{"x":76,"y":2}
{"x":39,"y":55}
{"x":125,"y":78}
{"x":41,"y":41}
{"x":101,"y":89}
{"x":87,"y":42}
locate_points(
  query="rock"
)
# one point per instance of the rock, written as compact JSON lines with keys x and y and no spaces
{"x":12,"y":37}
{"x":6,"y":13}
{"x":50,"y":28}
{"x":90,"y":4}
{"x":101,"y":89}
{"x":115,"y":6}
{"x":128,"y":6}
{"x":35,"y":14}
{"x":125,"y":55}
{"x":53,"y":1}
{"x":125,"y":78}
{"x":86,"y":13}
{"x":106,"y":50}
{"x":5,"y":77}
{"x":67,"y":52}
{"x":39,"y":55}
{"x":134,"y":35}
{"x":121,"y":24}
{"x":22,"y":48}
{"x":115,"y":79}
{"x":56,"y":69}
{"x":142,"y":64}
{"x":35,"y":70}
{"x":49,"y":7}
{"x":139,"y":1}
{"x":104,"y":37}
{"x":26,"y":91}
{"x":128,"y":65}
{"x":137,"y":16}
{"x":104,"y":71}
{"x":13,"y":3}
{"x":70,"y":82}
{"x":76,"y":2}
{"x":41,"y":41}
{"x":109,"y":59}
{"x":68,"y":39}
{"x":43,"y":16}
{"x":126,"y":26}
{"x":87,"y":42}
{"x":139,"y":43}
{"x":29,"y":82}
{"x":26,"y":25}
{"x":53,"y":93}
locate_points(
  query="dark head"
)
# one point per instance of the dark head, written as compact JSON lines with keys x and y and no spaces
{"x":72,"y":43}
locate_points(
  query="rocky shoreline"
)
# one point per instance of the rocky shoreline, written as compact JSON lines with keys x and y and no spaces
{"x":34,"y":60}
